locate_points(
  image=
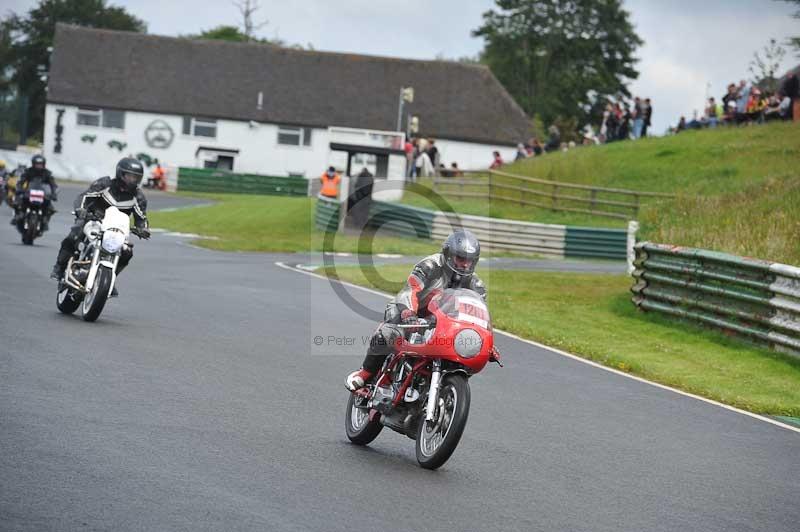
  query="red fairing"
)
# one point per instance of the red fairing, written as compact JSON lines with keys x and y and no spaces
{"x":456,"y":311}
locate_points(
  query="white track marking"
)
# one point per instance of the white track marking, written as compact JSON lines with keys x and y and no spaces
{"x":574,"y":357}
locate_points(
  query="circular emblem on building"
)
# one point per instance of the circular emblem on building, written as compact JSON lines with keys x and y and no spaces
{"x":159,"y":135}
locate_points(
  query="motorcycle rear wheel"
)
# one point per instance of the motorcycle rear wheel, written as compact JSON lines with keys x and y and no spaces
{"x":360,"y":430}
{"x":68,"y":301}
{"x":436,"y":440}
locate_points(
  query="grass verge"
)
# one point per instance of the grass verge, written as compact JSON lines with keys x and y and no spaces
{"x":591,"y":315}
{"x":272,"y":223}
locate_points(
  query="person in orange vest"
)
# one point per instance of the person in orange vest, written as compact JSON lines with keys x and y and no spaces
{"x":330,"y":183}
{"x":157,"y":178}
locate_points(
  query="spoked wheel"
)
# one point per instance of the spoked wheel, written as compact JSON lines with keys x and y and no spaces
{"x":68,"y":300}
{"x":437,"y":439}
{"x":360,"y":430}
{"x":95,"y":300}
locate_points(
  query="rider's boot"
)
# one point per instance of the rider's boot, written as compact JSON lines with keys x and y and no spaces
{"x":58,"y":271}
{"x":61,"y":264}
{"x":357,"y":379}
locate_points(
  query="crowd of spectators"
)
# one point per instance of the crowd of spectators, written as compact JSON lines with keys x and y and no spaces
{"x":746,"y":103}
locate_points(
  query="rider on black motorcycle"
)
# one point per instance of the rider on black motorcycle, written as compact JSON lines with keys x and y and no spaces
{"x":454,"y":267}
{"x":121,"y":192}
{"x":37,"y":171}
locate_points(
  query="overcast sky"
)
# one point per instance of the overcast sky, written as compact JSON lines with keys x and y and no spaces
{"x":688,"y":43}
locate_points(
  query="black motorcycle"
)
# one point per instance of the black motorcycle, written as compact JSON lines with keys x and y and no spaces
{"x":31,"y":221}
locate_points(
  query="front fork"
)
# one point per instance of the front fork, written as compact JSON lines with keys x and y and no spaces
{"x":433,"y":392}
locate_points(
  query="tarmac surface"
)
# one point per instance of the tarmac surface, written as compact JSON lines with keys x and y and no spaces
{"x":210,"y":396}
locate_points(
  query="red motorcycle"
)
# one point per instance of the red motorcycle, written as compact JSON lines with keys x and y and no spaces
{"x":422,"y":390}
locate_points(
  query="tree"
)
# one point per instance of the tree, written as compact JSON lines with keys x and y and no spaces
{"x":763,"y":68}
{"x":795,"y":41}
{"x":561,"y":59}
{"x":222,"y":33}
{"x":247,"y":8}
{"x":32,"y":37}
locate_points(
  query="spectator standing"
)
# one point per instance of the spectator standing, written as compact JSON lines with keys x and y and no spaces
{"x":791,"y":90}
{"x":623,"y":130}
{"x":681,"y":125}
{"x":408,"y":148}
{"x":638,"y":117}
{"x":711,"y":113}
{"x":742,"y":97}
{"x":497,"y":162}
{"x":521,"y":153}
{"x":433,"y":153}
{"x":330,"y":183}
{"x":455,"y":170}
{"x":648,"y":115}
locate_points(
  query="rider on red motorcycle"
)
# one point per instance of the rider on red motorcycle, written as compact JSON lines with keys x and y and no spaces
{"x":454,"y":267}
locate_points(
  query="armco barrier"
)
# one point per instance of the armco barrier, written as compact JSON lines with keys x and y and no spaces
{"x":749,"y":297}
{"x":212,"y":180}
{"x":326,"y":215}
{"x":494,"y":233}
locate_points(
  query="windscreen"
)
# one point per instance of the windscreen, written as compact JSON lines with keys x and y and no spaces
{"x":464,"y":305}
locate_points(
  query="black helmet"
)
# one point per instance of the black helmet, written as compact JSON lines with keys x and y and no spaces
{"x":129,"y":173}
{"x":38,"y":159}
{"x":461,"y":252}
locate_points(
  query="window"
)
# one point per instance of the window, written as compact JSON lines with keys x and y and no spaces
{"x":294,"y":136}
{"x":114,"y":119}
{"x":96,"y":117}
{"x":89,"y":117}
{"x":199,"y":127}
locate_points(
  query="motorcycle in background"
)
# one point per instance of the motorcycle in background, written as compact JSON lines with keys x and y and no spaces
{"x":90,"y":275}
{"x":34,"y":210}
{"x":422,"y":390}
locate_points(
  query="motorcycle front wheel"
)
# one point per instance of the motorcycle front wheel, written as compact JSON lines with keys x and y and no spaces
{"x":30,"y":233}
{"x":360,"y":430}
{"x":437,"y":439}
{"x":95,"y":300}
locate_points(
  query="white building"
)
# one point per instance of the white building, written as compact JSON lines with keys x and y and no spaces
{"x":256,"y":108}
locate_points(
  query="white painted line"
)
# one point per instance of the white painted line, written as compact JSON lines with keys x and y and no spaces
{"x":388,"y":256}
{"x":577,"y":358}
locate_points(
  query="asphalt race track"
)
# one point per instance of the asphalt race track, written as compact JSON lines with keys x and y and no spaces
{"x":199,"y":401}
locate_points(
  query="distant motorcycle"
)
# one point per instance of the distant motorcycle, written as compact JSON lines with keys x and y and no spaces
{"x":34,"y":209}
{"x":90,"y":275}
{"x":422,"y":390}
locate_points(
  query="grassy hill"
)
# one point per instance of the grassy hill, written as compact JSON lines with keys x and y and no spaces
{"x":738,"y":188}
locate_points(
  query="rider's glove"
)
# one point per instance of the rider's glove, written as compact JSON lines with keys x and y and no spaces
{"x":408,"y":317}
{"x":81,"y":213}
{"x":141,"y":232}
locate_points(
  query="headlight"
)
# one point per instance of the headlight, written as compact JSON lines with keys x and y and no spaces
{"x":113,"y":241}
{"x":468,"y":343}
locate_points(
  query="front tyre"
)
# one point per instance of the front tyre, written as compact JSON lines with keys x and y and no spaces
{"x":437,"y":439}
{"x":29,"y":234}
{"x":360,"y":430}
{"x":94,"y":301}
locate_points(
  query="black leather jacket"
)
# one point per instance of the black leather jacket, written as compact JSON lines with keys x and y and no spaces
{"x":33,"y":174}
{"x":106,"y":192}
{"x":428,"y":278}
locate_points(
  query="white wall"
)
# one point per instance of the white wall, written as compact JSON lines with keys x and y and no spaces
{"x":469,"y":155}
{"x":259,"y":151}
